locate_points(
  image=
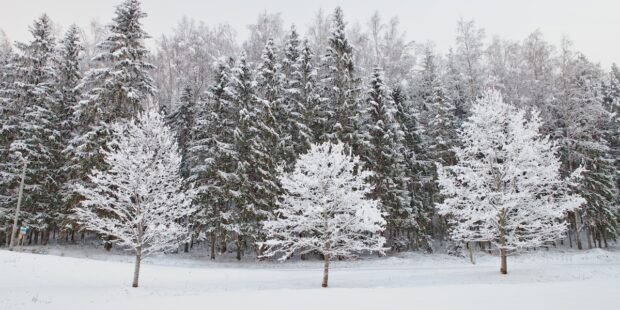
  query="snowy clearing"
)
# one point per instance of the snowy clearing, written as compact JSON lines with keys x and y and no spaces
{"x":93,"y":279}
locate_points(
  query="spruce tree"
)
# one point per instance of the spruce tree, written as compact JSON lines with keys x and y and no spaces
{"x":310,"y":100}
{"x":439,"y":114}
{"x":383,"y":153}
{"x":181,"y":121}
{"x":214,"y":157}
{"x":340,"y":86}
{"x":123,"y":82}
{"x":257,"y":187}
{"x":272,"y":111}
{"x":68,"y":79}
{"x":296,"y":97}
{"x":35,"y":135}
{"x":418,"y":168}
{"x":115,"y":90}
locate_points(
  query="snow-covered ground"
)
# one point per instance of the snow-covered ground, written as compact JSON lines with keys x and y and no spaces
{"x":72,"y":278}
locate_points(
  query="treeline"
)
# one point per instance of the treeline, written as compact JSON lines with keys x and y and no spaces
{"x":242,"y":114}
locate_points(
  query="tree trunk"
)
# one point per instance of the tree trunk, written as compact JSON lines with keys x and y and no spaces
{"x":213,"y":237}
{"x":504,"y":268}
{"x":325,"y":270}
{"x":471,"y":253}
{"x":239,"y":247}
{"x":222,"y":241}
{"x":46,"y":237}
{"x":136,"y":271}
{"x":186,"y":247}
{"x":577,"y":237}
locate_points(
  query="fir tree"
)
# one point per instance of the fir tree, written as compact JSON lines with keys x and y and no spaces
{"x":36,"y":134}
{"x":383,"y":154}
{"x":181,"y":122}
{"x":123,"y":81}
{"x":299,"y":86}
{"x":272,"y":111}
{"x":214,"y":157}
{"x":257,"y":189}
{"x":316,"y":111}
{"x":68,"y":79}
{"x":418,"y":168}
{"x":340,"y":86}
{"x":438,"y":112}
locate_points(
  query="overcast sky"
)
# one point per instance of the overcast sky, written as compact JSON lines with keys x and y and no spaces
{"x":593,"y":25}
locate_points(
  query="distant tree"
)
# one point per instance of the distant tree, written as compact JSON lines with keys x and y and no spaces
{"x":340,"y":86}
{"x":181,"y":121}
{"x":214,"y":159}
{"x":299,"y":96}
{"x":68,"y":63}
{"x":382,"y":152}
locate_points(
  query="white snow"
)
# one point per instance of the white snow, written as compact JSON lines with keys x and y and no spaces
{"x":558,"y":279}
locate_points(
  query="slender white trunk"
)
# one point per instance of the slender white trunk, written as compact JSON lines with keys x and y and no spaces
{"x":136,"y":271}
{"x":325,"y":270}
{"x":19,"y":203}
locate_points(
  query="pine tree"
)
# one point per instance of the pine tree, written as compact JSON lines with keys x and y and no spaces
{"x":383,"y":153}
{"x":299,"y":84}
{"x":257,"y":190}
{"x":35,"y":135}
{"x":340,"y":86}
{"x":317,"y":113}
{"x":214,"y":157}
{"x":418,"y":168}
{"x":123,"y":81}
{"x":68,"y":79}
{"x":326,"y":209}
{"x":438,"y":112}
{"x":506,"y":188}
{"x":273,"y":113}
{"x":8,"y":120}
{"x":181,"y":122}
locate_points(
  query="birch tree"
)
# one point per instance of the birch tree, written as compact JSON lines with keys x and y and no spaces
{"x":506,"y":188}
{"x":139,"y":200}
{"x":325,"y":209}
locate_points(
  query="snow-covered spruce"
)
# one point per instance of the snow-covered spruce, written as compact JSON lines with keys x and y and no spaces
{"x":139,"y":200}
{"x":325,"y":209}
{"x":506,"y":187}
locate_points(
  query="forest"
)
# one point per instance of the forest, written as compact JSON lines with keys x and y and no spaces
{"x":326,"y":140}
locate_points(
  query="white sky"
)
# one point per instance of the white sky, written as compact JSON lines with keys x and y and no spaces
{"x":593,"y":25}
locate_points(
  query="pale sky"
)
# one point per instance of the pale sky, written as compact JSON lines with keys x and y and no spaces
{"x":593,"y":25}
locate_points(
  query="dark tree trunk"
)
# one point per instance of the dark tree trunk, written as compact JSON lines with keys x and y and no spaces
{"x":222,"y":241}
{"x":504,"y":267}
{"x":239,"y":244}
{"x":213,"y":241}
